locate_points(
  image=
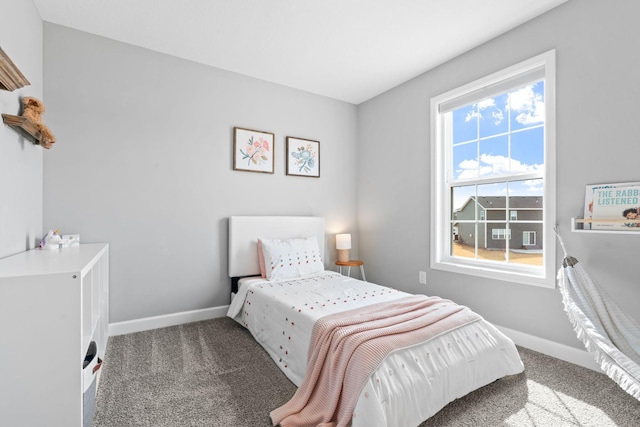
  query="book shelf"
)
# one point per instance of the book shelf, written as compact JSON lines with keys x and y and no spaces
{"x":54,"y":307}
{"x":578,"y":224}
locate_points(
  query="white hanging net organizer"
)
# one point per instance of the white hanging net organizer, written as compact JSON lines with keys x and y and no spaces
{"x":608,"y":333}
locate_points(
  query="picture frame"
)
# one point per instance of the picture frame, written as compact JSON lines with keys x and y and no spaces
{"x":303,"y":157}
{"x":253,"y":150}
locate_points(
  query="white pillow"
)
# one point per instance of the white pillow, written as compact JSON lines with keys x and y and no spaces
{"x":291,"y":258}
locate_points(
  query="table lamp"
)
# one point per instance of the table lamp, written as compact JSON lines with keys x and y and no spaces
{"x":343,"y":244}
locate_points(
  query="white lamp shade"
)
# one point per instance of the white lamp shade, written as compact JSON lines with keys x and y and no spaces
{"x":343,"y":241}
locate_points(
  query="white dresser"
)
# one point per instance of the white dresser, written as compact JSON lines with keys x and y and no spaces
{"x":53,"y":304}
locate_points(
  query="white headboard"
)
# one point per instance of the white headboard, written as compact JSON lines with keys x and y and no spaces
{"x":244,"y":232}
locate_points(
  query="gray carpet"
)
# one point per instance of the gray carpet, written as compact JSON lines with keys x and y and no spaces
{"x":213,"y":373}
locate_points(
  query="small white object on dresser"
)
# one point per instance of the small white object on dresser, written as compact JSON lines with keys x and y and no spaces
{"x":53,"y":304}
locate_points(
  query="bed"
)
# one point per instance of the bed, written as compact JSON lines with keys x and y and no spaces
{"x":287,"y":310}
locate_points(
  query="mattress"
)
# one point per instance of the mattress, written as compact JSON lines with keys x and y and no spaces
{"x":411,"y":384}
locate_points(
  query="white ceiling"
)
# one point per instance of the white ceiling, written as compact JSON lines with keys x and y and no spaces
{"x":351,"y":50}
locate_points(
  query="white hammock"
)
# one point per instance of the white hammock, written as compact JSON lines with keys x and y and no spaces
{"x":609,"y":334}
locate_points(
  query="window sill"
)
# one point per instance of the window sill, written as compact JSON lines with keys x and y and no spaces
{"x":514,"y":274}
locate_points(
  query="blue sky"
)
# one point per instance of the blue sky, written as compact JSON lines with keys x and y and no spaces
{"x":498,"y":136}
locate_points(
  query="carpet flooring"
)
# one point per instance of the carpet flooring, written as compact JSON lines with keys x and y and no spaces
{"x":213,"y":373}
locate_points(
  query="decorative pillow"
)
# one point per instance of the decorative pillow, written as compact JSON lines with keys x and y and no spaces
{"x":288,"y":259}
{"x":263,"y":271}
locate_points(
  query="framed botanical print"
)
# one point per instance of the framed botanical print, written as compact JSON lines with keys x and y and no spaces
{"x":303,"y":157}
{"x":252,"y":150}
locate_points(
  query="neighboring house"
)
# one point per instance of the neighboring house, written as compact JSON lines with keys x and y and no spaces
{"x":520,"y":224}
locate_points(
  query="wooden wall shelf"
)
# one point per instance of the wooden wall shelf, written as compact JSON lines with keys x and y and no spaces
{"x":10,"y":76}
{"x":23,"y":126}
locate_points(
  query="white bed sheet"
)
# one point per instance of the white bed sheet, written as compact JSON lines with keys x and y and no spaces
{"x":411,"y":384}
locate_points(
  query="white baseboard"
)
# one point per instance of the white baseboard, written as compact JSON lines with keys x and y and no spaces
{"x":551,"y":348}
{"x":147,"y":323}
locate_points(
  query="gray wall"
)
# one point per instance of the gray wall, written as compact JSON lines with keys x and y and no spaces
{"x":144,"y":161}
{"x":597,"y":95}
{"x":20,"y":160}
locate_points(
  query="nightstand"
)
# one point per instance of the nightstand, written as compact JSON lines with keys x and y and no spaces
{"x":349,"y":264}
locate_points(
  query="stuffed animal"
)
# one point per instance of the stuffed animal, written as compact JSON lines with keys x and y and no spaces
{"x":51,"y":240}
{"x":32,"y":109}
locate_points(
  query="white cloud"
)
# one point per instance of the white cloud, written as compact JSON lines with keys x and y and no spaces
{"x":494,"y":165}
{"x":497,"y":116}
{"x":475,"y":114}
{"x":534,"y":186}
{"x":490,"y":165}
{"x":469,"y":164}
{"x":486,"y":103}
{"x":527,"y":105}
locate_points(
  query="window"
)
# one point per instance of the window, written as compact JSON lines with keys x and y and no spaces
{"x":493,"y":145}
{"x":529,"y":238}
{"x":500,"y":234}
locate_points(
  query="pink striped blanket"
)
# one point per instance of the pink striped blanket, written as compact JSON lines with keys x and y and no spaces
{"x":346,"y":348}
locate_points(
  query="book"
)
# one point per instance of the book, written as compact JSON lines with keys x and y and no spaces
{"x":614,"y":206}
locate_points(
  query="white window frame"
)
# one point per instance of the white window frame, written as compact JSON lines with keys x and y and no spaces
{"x":440,"y":258}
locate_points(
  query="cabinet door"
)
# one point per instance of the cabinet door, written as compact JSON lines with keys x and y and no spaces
{"x":41,"y":350}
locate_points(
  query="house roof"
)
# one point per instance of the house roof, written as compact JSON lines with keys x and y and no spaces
{"x":500,"y":202}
